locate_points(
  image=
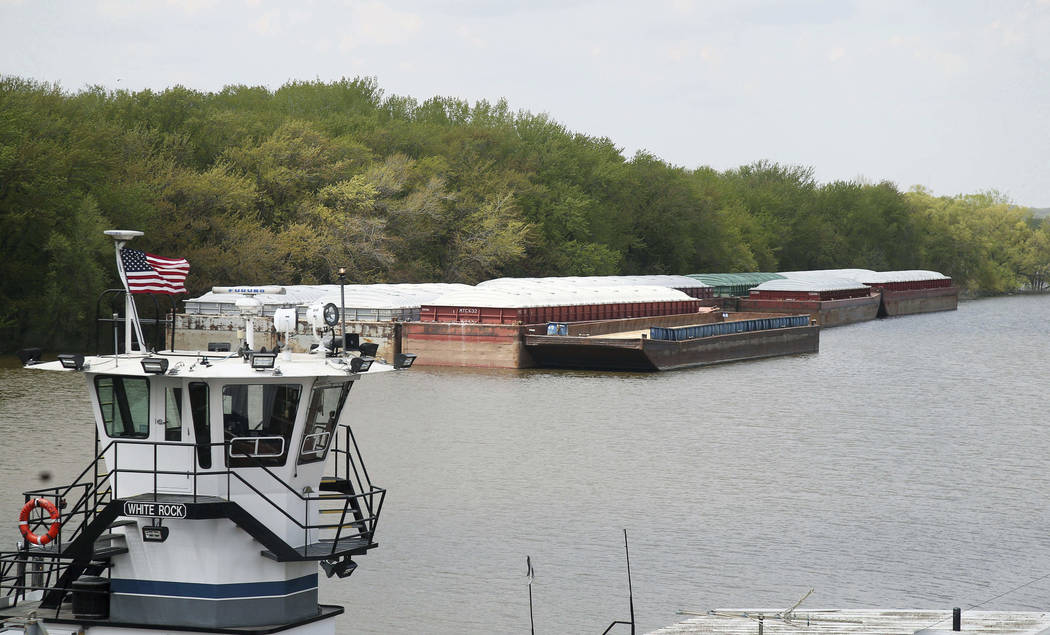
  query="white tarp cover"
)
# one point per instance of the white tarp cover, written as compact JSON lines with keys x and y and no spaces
{"x":370,"y":296}
{"x":911,"y":275}
{"x":391,"y":296}
{"x":856,"y":275}
{"x":554,"y":295}
{"x":673,"y":282}
{"x":810,"y":285}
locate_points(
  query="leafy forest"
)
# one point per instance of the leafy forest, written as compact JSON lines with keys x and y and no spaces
{"x":259,"y":186}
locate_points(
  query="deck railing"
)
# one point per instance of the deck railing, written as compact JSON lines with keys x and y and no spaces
{"x":349,"y":493}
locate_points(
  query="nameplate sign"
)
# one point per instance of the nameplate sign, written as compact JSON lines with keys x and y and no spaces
{"x":155,"y":510}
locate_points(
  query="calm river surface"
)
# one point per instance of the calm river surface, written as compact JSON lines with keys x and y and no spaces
{"x":907,"y":465}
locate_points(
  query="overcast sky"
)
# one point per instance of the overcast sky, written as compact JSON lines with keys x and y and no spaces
{"x":951,"y":95}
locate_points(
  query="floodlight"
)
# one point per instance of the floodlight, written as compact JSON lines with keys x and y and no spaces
{"x":263,"y":361}
{"x":369,"y":349}
{"x":404,"y":360}
{"x":72,"y":361}
{"x":361,"y":364}
{"x":29,"y":355}
{"x":341,"y":568}
{"x":155,"y":365}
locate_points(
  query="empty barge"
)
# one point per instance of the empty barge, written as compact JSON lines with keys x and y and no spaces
{"x":651,"y":348}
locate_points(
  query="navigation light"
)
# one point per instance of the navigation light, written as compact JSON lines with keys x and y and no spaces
{"x":29,"y":355}
{"x":404,"y":360}
{"x":361,"y":364}
{"x":263,"y":361}
{"x":72,"y":361}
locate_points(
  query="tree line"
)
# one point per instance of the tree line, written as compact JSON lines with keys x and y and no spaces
{"x":253,"y":185}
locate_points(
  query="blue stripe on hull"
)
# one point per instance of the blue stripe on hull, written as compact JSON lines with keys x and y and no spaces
{"x":214,"y":591}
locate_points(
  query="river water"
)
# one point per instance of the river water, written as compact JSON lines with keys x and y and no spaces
{"x":907,"y":465}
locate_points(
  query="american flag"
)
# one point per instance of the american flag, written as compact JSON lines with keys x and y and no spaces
{"x":147,"y":273}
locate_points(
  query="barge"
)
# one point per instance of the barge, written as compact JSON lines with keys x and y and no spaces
{"x":861,"y":622}
{"x":911,"y":292}
{"x":828,"y":301}
{"x":652,"y":348}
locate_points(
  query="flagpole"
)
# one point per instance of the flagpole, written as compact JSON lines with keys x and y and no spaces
{"x":131,"y":314}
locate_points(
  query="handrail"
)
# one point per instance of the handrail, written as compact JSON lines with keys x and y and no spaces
{"x":358,"y":517}
{"x":318,"y":446}
{"x":365,"y":509}
{"x":255,"y":441}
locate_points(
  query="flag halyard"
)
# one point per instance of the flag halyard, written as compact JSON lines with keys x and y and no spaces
{"x":147,"y":273}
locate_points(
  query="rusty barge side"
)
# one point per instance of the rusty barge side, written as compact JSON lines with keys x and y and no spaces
{"x":912,"y":301}
{"x":836,"y":312}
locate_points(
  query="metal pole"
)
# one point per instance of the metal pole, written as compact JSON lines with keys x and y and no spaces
{"x":130,"y":311}
{"x":532,"y":622}
{"x":342,"y":304}
{"x":249,"y":332}
{"x":116,"y":341}
{"x":630,"y":587}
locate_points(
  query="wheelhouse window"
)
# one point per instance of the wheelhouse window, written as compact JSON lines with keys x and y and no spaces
{"x":124,"y":404}
{"x":257,"y":422}
{"x":325,"y":405}
{"x":201,"y":423}
{"x":172,"y":414}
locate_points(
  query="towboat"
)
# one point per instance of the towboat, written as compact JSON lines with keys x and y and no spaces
{"x":220,"y":486}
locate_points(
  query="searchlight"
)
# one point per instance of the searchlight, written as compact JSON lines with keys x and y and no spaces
{"x":321,"y":318}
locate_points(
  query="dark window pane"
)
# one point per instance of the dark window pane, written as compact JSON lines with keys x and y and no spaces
{"x":325,"y":405}
{"x":201,"y":427}
{"x":124,"y":404}
{"x":173,"y":414}
{"x":257,"y":422}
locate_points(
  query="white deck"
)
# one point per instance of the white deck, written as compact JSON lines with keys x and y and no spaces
{"x":856,"y":622}
{"x":219,"y":366}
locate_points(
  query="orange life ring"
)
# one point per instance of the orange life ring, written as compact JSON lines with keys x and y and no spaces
{"x":23,"y":521}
